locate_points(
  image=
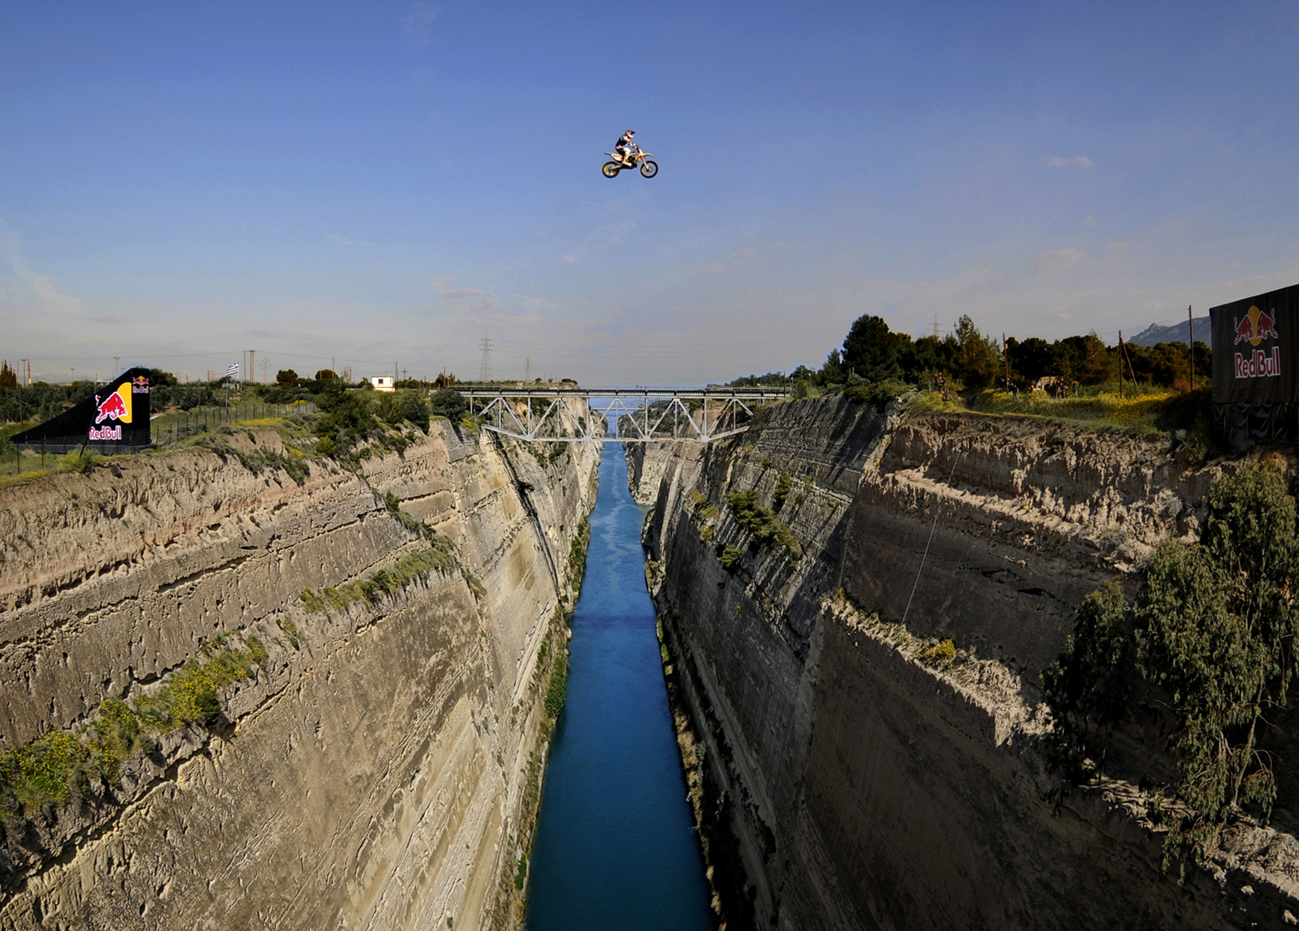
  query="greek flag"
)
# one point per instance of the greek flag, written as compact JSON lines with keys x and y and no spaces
{"x":233,"y":370}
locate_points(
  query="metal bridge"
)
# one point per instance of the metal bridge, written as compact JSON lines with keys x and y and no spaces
{"x":638,"y":415}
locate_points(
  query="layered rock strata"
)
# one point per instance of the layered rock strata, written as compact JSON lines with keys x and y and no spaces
{"x":853,"y":777}
{"x":371,"y":773}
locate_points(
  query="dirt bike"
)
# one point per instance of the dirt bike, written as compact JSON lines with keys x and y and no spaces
{"x":648,"y":169}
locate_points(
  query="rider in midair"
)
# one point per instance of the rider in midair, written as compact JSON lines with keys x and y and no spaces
{"x":625,"y":146}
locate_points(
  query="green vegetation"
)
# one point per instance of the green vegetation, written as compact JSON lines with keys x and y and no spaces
{"x":261,"y":460}
{"x":438,"y":557}
{"x":730,"y":558}
{"x":394,"y":408}
{"x":939,"y":654}
{"x":877,"y":365}
{"x":49,"y":769}
{"x":1213,"y":628}
{"x":450,"y":404}
{"x":189,"y":695}
{"x":577,"y":554}
{"x":558,"y":688}
{"x":291,"y":631}
{"x":762,"y":524}
{"x":784,"y":484}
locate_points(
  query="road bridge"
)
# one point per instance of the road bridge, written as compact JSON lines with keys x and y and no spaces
{"x":637,"y":415}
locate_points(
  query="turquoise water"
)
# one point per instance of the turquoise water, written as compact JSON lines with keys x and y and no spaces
{"x":614,"y":846}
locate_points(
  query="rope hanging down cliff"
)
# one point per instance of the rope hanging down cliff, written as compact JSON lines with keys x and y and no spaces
{"x":938,"y":506}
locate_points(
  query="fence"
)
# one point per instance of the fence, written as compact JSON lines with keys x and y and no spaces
{"x":166,"y":429}
{"x":178,"y":425}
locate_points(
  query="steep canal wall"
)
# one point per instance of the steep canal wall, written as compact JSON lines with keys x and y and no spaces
{"x":341,"y":671}
{"x":855,"y":776}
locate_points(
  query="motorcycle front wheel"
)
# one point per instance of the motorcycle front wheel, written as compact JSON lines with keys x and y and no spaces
{"x":611,"y":169}
{"x":649,"y":169}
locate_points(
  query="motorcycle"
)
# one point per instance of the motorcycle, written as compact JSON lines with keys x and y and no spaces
{"x":648,"y":169}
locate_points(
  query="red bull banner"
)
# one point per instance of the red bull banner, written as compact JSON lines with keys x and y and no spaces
{"x":114,"y":419}
{"x":1256,"y":366}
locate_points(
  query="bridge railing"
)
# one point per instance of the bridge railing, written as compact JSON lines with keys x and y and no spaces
{"x":636,"y":415}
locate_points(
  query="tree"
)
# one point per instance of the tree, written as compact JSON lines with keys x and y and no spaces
{"x":450,"y":404}
{"x":326,"y":375}
{"x":287,"y":378}
{"x":1214,"y":627}
{"x":975,"y":361}
{"x":1031,"y":359}
{"x":7,"y":377}
{"x":415,"y":409}
{"x":1087,"y":686}
{"x":833,"y":372}
{"x":870,"y":350}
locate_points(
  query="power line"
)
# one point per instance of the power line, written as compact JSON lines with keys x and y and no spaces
{"x":485,"y":369}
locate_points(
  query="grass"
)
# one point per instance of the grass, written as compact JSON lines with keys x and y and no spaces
{"x":47,"y":770}
{"x":1141,"y":408}
{"x":439,"y":557}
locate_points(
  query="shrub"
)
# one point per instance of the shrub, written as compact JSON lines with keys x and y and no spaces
{"x":784,"y":484}
{"x":940,"y":655}
{"x":761,"y":523}
{"x":730,"y":558}
{"x":1213,"y":626}
{"x":558,"y":689}
{"x":1086,"y":686}
{"x":449,"y":403}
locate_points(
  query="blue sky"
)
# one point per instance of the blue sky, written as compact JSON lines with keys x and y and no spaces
{"x":387,"y":183}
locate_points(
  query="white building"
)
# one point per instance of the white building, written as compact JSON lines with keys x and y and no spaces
{"x":382,"y":383}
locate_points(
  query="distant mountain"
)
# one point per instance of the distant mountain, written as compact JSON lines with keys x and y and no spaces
{"x":1153,"y":335}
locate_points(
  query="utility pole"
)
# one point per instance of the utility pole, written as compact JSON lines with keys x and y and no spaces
{"x":935,"y":326}
{"x":485,"y":369}
{"x":265,"y":364}
{"x":116,"y":363}
{"x":1190,"y":342}
{"x":252,"y":367}
{"x":1005,"y":354}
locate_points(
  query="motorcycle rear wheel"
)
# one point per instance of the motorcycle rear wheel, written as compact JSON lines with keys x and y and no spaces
{"x":649,"y":169}
{"x":611,"y":169}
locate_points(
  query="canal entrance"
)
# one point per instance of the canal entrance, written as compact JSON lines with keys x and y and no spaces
{"x":614,"y":846}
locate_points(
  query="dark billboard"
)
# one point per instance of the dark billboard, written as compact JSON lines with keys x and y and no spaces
{"x":114,"y":419}
{"x":1256,"y":366}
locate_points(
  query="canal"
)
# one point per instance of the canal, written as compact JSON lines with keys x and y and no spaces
{"x":614,"y":846}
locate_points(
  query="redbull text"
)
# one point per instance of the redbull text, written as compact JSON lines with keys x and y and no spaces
{"x":1260,"y":364}
{"x":106,"y":433}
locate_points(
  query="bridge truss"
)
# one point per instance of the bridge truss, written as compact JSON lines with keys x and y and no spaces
{"x":637,"y":415}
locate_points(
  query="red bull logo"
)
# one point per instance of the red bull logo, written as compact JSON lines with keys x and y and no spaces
{"x":140,"y":385}
{"x":117,"y":406}
{"x":1255,"y":327}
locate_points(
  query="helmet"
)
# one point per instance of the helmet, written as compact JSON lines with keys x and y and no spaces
{"x":631,"y":132}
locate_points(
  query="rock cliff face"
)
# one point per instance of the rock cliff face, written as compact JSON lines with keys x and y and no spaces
{"x":371,"y":773}
{"x":853,"y":778}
